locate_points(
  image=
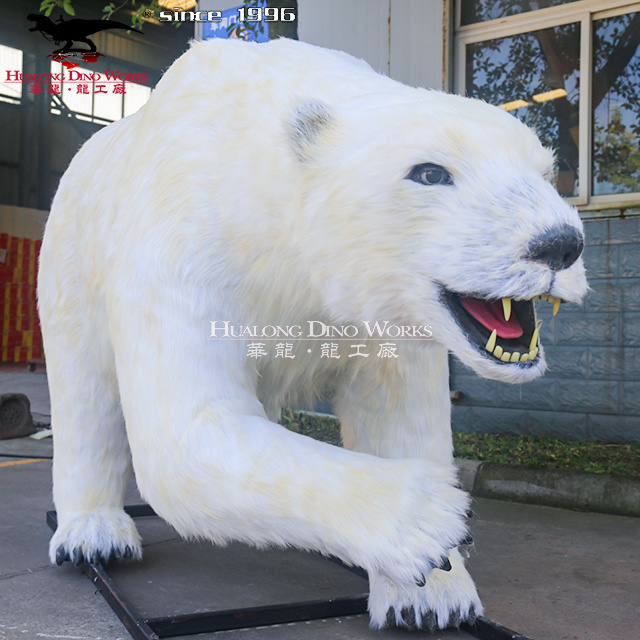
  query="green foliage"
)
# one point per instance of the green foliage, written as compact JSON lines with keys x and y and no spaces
{"x":538,"y":451}
{"x":319,"y":427}
{"x":617,"y":155}
{"x":144,"y":10}
{"x":47,"y":6}
{"x":108,"y":10}
{"x":534,"y":451}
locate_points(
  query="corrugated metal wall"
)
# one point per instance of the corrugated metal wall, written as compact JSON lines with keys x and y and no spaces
{"x":405,"y":39}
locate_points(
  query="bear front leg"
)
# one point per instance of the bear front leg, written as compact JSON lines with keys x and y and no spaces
{"x":210,"y":463}
{"x":92,"y":463}
{"x":400,"y":408}
{"x":447,"y":598}
{"x":232,"y":476}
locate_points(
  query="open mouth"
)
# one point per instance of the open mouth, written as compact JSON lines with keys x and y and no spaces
{"x":504,"y":330}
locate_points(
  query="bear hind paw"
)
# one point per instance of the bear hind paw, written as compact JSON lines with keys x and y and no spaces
{"x":96,"y":557}
{"x":427,"y":620}
{"x":100,"y":536}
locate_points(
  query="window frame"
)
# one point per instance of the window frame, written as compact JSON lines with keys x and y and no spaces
{"x":55,"y":110}
{"x":7,"y":98}
{"x":584,"y":12}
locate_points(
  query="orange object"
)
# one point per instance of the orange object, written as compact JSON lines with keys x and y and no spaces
{"x":21,"y":338}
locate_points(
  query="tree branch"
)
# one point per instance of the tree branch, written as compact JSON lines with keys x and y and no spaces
{"x":619,"y":58}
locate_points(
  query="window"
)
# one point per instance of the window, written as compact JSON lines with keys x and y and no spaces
{"x":481,"y":10}
{"x":571,"y":70}
{"x":11,"y":66}
{"x":101,"y":101}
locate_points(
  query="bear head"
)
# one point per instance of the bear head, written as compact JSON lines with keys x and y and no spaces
{"x":431,"y":209}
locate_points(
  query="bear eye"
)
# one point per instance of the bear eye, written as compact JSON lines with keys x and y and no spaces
{"x":430,"y":174}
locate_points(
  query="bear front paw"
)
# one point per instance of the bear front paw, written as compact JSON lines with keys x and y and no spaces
{"x":420,"y":517}
{"x":98,"y":536}
{"x":447,"y":599}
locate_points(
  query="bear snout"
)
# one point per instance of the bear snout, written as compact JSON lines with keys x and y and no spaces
{"x":557,"y":248}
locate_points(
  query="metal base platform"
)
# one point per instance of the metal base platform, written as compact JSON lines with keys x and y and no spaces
{"x":153,"y":628}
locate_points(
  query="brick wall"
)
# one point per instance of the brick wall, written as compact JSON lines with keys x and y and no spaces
{"x":591,"y":390}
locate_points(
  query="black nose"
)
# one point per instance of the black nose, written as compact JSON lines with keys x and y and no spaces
{"x":558,"y":247}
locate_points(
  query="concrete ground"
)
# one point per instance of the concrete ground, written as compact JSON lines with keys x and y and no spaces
{"x":550,"y":574}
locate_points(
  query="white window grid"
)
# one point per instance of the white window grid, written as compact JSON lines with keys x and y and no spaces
{"x":585,"y":12}
{"x":10,"y":60}
{"x":101,"y":108}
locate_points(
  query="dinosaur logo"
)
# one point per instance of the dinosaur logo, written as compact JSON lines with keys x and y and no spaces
{"x":72,"y":31}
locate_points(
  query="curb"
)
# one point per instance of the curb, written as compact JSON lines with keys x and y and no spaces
{"x":563,"y":488}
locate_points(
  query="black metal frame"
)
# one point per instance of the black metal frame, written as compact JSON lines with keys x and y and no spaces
{"x":142,"y":628}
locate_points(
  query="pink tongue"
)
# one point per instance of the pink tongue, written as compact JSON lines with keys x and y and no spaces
{"x":491,"y":315}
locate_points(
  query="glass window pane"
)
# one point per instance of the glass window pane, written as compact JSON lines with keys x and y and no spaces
{"x":535,"y":76}
{"x":135,"y":96}
{"x":107,"y":105}
{"x":616,"y":105}
{"x":11,"y":66}
{"x":78,"y":96}
{"x":481,"y":10}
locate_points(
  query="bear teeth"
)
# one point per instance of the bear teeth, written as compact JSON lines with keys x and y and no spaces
{"x":549,"y":298}
{"x":534,"y":339}
{"x":491,"y":343}
{"x":506,"y":308}
{"x":505,"y":356}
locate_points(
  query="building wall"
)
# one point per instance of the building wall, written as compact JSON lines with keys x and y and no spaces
{"x":407,"y":40}
{"x":36,"y":145}
{"x":591,"y":390}
{"x":404,"y":39}
{"x":21,"y":222}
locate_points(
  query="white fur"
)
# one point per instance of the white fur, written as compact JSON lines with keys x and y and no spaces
{"x":264,"y":184}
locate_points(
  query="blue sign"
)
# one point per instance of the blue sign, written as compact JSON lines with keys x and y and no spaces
{"x":231,"y":23}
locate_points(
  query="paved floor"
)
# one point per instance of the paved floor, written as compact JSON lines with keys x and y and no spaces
{"x":550,"y":574}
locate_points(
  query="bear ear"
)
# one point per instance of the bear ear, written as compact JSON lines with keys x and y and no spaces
{"x":306,"y":125}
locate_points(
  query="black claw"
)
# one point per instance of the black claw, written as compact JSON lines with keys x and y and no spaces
{"x":466,"y":541}
{"x":445,"y":565}
{"x":471,"y":616}
{"x":128,"y":552}
{"x":409,"y":617}
{"x":78,"y":557}
{"x":61,"y":555}
{"x":391,"y":617}
{"x":421,"y":581}
{"x":455,"y":619}
{"x":429,"y":621}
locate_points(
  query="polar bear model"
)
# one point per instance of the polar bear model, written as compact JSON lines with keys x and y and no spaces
{"x":275,"y":185}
